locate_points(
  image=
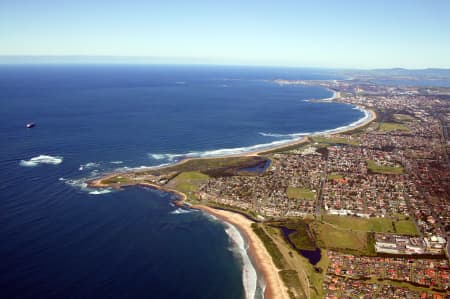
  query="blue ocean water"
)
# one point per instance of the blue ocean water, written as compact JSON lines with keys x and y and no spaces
{"x":59,"y":239}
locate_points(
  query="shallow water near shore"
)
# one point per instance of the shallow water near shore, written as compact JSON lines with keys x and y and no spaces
{"x":62,"y":239}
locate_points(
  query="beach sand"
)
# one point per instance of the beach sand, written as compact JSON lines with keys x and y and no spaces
{"x":275,"y":288}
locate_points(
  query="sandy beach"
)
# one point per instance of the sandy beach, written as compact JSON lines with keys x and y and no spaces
{"x":275,"y":288}
{"x":274,"y":285}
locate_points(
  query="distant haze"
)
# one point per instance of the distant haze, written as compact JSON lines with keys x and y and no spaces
{"x":324,"y":33}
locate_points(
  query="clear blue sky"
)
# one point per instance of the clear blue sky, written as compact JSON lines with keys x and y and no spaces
{"x":362,"y":34}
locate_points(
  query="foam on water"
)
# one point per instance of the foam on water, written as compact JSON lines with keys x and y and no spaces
{"x":89,"y":165}
{"x":41,"y":159}
{"x":218,"y":152}
{"x":99,"y":192}
{"x":276,"y":135}
{"x":286,"y":138}
{"x":181,"y":211}
{"x":249,"y":274}
{"x":81,"y":184}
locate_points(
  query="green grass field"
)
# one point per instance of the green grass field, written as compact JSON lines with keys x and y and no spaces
{"x":191,"y":175}
{"x":118,"y":179}
{"x":376,"y":168}
{"x":406,"y":227}
{"x":379,"y":225}
{"x":334,"y":176}
{"x":330,"y":237}
{"x":188,"y":182}
{"x":404,"y":117}
{"x":300,"y":193}
{"x":389,"y":127}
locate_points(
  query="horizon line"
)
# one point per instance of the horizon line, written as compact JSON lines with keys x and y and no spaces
{"x":161,"y":60}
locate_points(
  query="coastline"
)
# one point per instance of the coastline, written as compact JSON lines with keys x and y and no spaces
{"x":369,"y":117}
{"x":263,"y":261}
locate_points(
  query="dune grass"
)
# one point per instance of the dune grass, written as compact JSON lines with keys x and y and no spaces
{"x":270,"y":245}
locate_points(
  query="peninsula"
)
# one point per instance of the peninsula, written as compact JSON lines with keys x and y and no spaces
{"x":322,"y":212}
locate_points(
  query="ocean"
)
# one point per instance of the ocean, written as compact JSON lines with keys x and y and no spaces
{"x":60,"y":239}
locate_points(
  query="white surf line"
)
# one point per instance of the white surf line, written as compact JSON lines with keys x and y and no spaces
{"x":249,"y":274}
{"x":41,"y":159}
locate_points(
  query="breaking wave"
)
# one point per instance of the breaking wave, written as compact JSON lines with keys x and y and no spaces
{"x":249,"y":274}
{"x":181,"y":211}
{"x":99,"y":192}
{"x":217,"y":153}
{"x":276,"y":135}
{"x":41,"y":159}
{"x":81,"y":184}
{"x":284,"y":139}
{"x":89,"y":165}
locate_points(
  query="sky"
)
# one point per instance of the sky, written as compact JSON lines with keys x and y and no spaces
{"x":319,"y":33}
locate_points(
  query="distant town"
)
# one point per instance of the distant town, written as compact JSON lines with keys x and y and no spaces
{"x":372,"y":201}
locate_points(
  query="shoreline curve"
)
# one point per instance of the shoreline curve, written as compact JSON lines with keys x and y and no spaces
{"x":274,"y":287}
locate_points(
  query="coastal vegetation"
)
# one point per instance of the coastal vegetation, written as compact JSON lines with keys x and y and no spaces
{"x":224,"y":166}
{"x":384,"y":169}
{"x":118,"y":179}
{"x":362,"y":129}
{"x":270,"y":245}
{"x":300,"y":235}
{"x":345,"y":234}
{"x":250,"y":214}
{"x":299,"y":145}
{"x":310,"y":278}
{"x":343,"y":240}
{"x":301,"y":238}
{"x":294,"y":265}
{"x":188,"y":183}
{"x":334,"y":140}
{"x":291,"y":280}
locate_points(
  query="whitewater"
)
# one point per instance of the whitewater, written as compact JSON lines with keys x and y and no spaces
{"x":283,"y":140}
